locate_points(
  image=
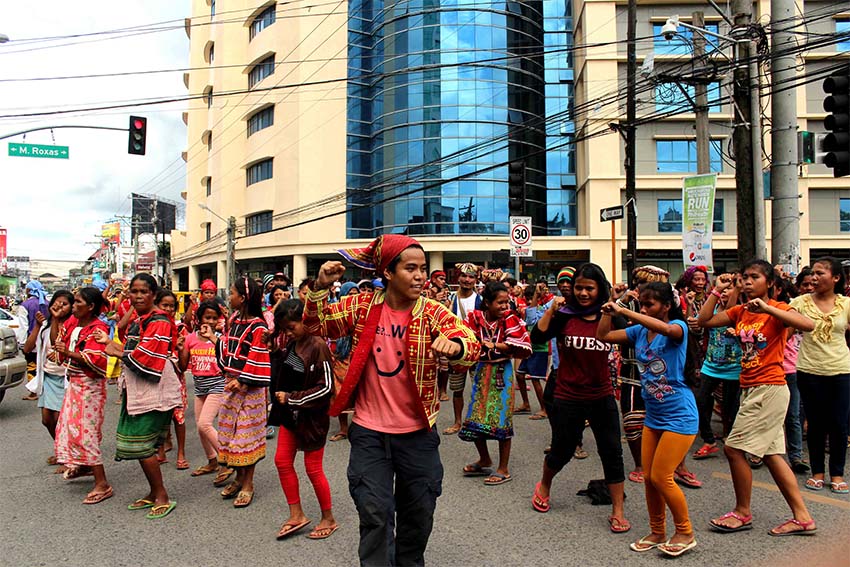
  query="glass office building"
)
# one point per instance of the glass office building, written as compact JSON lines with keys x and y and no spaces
{"x":442,"y":95}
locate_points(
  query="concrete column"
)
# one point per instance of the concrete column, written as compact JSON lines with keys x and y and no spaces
{"x":299,"y":268}
{"x":175,"y":280}
{"x":435,"y":261}
{"x":194,"y":278}
{"x":221,"y":274}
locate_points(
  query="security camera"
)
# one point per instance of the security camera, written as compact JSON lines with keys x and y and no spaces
{"x":670,"y":28}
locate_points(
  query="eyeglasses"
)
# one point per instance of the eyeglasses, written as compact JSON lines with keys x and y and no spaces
{"x":655,"y":367}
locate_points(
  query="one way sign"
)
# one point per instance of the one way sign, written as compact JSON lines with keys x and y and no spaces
{"x":612,"y":213}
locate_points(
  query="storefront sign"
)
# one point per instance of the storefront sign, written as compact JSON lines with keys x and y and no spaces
{"x":698,"y":220}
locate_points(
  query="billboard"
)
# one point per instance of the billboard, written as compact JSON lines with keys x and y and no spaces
{"x":111,"y":232}
{"x":146,"y":209}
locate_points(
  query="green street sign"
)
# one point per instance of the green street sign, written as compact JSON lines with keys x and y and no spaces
{"x":38,"y":151}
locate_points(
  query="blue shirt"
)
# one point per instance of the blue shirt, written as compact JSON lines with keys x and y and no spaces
{"x":670,"y":404}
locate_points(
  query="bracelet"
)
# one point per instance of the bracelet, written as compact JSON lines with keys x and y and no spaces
{"x":621,"y":304}
{"x":716,"y":294}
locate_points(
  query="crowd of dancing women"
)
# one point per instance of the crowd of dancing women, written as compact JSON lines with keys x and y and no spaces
{"x":766,"y":353}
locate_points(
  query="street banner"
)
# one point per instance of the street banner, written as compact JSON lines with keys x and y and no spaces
{"x":698,"y":220}
{"x":111,"y":232}
{"x":2,"y":250}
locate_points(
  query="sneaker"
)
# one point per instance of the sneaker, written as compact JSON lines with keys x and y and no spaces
{"x":799,"y":466}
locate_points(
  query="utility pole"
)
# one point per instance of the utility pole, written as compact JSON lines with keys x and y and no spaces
{"x":155,"y":241}
{"x":231,"y":251}
{"x":701,"y":100}
{"x":785,"y":213}
{"x":745,"y":125}
{"x":631,"y":112}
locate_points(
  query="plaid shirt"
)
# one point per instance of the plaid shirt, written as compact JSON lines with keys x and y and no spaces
{"x":428,"y":320}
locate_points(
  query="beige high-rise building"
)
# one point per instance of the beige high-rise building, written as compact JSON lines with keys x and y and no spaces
{"x":321,"y":127}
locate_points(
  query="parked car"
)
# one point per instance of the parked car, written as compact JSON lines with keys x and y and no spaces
{"x":8,"y":319}
{"x":13,"y":365}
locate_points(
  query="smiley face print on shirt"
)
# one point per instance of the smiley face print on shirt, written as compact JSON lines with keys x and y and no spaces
{"x":389,"y":347}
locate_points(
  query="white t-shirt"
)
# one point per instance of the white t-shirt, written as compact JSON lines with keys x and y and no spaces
{"x":467,"y":304}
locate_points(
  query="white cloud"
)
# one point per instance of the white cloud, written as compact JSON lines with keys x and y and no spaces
{"x":53,"y":207}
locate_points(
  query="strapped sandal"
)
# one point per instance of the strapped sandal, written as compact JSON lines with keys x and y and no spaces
{"x":803,"y":531}
{"x":209,"y":468}
{"x":746,"y":523}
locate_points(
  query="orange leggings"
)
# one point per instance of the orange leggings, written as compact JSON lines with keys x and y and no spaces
{"x":662,"y":452}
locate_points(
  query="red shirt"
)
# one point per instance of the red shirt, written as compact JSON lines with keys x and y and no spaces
{"x":762,"y":339}
{"x":387,"y":399}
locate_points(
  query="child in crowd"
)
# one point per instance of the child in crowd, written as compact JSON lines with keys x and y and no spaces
{"x":166,"y":302}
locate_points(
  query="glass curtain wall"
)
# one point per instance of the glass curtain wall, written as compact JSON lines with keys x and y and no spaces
{"x":442,"y":95}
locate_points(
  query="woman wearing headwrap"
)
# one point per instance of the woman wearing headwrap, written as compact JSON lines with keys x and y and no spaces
{"x":209,"y":292}
{"x":36,"y":302}
{"x":397,"y":335}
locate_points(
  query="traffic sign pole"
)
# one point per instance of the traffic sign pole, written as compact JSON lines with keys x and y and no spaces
{"x":613,"y":252}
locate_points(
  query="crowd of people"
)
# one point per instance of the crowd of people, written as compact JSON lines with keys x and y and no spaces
{"x":768,"y":355}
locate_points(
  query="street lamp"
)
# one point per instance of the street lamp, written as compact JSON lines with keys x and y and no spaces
{"x":231,"y":242}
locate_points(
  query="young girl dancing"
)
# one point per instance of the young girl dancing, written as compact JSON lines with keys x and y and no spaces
{"x":660,"y":342}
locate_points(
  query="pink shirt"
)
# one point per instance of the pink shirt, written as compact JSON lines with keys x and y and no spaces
{"x":202,"y":361}
{"x":386,"y":398}
{"x":792,"y":349}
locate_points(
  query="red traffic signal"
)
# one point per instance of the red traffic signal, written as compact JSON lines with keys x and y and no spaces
{"x":138,"y":135}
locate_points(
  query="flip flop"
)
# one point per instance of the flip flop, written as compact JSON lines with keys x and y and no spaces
{"x":618,"y":526}
{"x":676,"y":549}
{"x":801,"y":532}
{"x":451,"y":430}
{"x":705,"y":452}
{"x":814,"y":484}
{"x":839,"y":487}
{"x":76,"y":472}
{"x":231,"y":490}
{"x":222,"y":476}
{"x":161,"y":510}
{"x":522,"y":411}
{"x":687,"y":479}
{"x":474,"y":469}
{"x":338,"y":437}
{"x":206,"y":469}
{"x":539,"y":503}
{"x":284,"y":533}
{"x":243,"y":499}
{"x":182,"y":464}
{"x":580,"y":453}
{"x":500,"y":479}
{"x":98,"y":497}
{"x":637,"y":476}
{"x":636,"y":545}
{"x":746,"y":523}
{"x":322,"y":533}
{"x":141,"y":504}
{"x":538,"y":417}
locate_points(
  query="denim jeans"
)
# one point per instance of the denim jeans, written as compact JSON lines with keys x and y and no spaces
{"x":793,"y":425}
{"x":395,"y":480}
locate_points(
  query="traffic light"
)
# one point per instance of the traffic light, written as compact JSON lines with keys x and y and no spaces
{"x":516,"y":188}
{"x":138,"y":135}
{"x":837,"y":144}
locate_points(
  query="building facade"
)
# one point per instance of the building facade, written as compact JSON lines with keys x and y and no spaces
{"x":321,"y":128}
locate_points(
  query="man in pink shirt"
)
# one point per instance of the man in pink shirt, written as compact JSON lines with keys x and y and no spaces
{"x":394,"y":471}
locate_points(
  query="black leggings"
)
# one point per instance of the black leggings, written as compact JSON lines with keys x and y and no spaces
{"x":567,"y":421}
{"x":705,"y":404}
{"x":827,"y":402}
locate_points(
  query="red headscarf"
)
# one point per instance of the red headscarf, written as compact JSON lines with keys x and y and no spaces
{"x":208,"y":285}
{"x":380,"y":252}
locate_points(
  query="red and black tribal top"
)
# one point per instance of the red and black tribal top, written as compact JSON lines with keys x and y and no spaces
{"x":242,"y":351}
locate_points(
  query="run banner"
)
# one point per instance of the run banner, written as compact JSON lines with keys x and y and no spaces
{"x":698,"y":220}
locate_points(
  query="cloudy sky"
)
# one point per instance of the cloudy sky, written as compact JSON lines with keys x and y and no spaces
{"x":53,"y":208}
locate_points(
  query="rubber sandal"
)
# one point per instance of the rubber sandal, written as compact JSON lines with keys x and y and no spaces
{"x":755,"y":462}
{"x":540,"y":503}
{"x":746,"y":523}
{"x":676,"y":549}
{"x":338,"y":437}
{"x":222,"y":477}
{"x":51,"y":460}
{"x":637,"y":476}
{"x":706,"y":451}
{"x":451,"y":430}
{"x":650,"y":545}
{"x":98,"y":497}
{"x":182,"y":464}
{"x":538,"y":417}
{"x":580,"y":453}
{"x":474,"y":469}
{"x":141,"y":504}
{"x":687,"y":479}
{"x":522,"y":411}
{"x":76,"y":472}
{"x":500,"y":479}
{"x":243,"y":499}
{"x":814,"y":484}
{"x":618,"y":526}
{"x":839,"y":487}
{"x":805,"y":531}
{"x":231,"y":490}
{"x":206,"y":469}
{"x":323,"y":533}
{"x":284,"y":533}
{"x":161,"y":510}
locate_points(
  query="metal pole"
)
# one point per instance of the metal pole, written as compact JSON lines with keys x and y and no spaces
{"x":741,"y":139}
{"x":701,"y":99}
{"x":231,"y":251}
{"x":613,"y":252}
{"x":631,"y":111}
{"x":785,"y":217}
{"x":755,"y":133}
{"x":155,"y":243}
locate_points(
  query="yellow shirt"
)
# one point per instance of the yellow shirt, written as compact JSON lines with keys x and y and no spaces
{"x":824,"y":351}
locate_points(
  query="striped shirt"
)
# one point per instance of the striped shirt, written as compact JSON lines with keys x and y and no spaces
{"x":243,"y":353}
{"x":149,"y":344}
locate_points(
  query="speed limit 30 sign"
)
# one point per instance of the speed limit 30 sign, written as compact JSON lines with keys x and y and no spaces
{"x":520,"y":231}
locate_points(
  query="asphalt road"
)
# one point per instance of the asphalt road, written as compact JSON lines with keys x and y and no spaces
{"x":44,"y":522}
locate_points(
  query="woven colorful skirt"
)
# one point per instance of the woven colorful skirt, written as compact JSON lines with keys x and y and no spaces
{"x":490,"y":413}
{"x":242,"y":428}
{"x":140,"y":436}
{"x":79,"y":431}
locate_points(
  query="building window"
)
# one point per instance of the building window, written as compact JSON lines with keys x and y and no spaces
{"x":258,"y":223}
{"x":844,"y":215}
{"x":212,"y":8}
{"x":842,"y":27}
{"x":212,"y":53}
{"x":207,"y":230}
{"x":260,"y":71}
{"x":669,"y":98}
{"x":261,"y":119}
{"x":719,"y":225}
{"x":260,"y":171}
{"x":209,"y":97}
{"x":683,"y":42}
{"x":669,"y":215}
{"x":208,"y":184}
{"x":263,"y":20}
{"x":680,"y":156}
